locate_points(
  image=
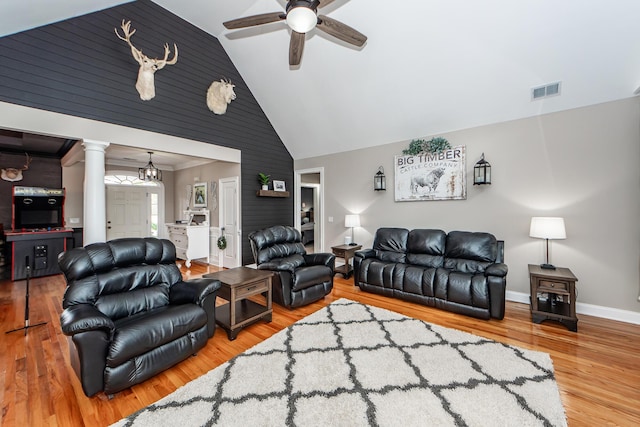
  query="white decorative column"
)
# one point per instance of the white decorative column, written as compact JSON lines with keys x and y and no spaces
{"x":95,"y":211}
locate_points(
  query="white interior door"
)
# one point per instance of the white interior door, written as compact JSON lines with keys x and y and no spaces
{"x":230,"y":222}
{"x":127,"y":212}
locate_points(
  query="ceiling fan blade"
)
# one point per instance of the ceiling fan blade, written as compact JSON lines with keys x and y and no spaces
{"x":250,"y":21}
{"x":324,"y":3}
{"x":341,"y":31}
{"x":296,"y":46}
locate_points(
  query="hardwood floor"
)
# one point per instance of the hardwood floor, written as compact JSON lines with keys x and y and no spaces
{"x":597,"y":369}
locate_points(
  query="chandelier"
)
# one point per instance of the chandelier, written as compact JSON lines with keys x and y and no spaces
{"x":150,"y":172}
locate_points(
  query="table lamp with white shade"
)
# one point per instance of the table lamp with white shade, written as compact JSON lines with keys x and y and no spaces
{"x":351,"y":221}
{"x":547,"y":228}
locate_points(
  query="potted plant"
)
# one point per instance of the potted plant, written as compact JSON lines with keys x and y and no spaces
{"x":264,"y":180}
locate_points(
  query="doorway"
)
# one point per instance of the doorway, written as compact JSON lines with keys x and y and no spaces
{"x":134,"y":208}
{"x":314,"y":179}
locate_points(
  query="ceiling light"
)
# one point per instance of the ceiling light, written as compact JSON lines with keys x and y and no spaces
{"x":150,"y":172}
{"x":301,"y":18}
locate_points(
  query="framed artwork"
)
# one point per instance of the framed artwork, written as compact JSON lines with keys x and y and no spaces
{"x":200,"y":195}
{"x":431,"y":176}
{"x":279,"y":186}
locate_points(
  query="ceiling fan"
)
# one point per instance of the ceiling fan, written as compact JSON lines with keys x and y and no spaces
{"x":302,"y":16}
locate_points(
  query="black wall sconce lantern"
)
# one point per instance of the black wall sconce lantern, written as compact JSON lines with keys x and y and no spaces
{"x":482,"y":172}
{"x":379,"y":180}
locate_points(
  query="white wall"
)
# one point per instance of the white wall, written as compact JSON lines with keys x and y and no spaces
{"x":580,"y":164}
{"x":210,"y":172}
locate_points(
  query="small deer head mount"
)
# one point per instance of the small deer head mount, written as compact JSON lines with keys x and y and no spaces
{"x":145,"y":84}
{"x":14,"y":174}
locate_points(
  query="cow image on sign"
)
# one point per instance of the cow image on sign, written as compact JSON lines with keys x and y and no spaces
{"x":219,"y":95}
{"x":430,"y":180}
{"x":431,"y":176}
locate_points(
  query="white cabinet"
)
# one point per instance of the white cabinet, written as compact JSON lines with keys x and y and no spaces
{"x":191,"y":241}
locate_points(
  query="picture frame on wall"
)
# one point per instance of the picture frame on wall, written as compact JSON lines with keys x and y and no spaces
{"x":200,"y":195}
{"x":279,"y":186}
{"x":431,"y":176}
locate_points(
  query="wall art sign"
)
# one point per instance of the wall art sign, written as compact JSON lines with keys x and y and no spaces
{"x":431,"y":176}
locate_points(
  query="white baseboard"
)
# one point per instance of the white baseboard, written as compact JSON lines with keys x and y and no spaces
{"x":588,"y":309}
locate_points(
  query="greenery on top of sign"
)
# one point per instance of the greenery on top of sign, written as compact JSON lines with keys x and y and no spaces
{"x":434,"y":145}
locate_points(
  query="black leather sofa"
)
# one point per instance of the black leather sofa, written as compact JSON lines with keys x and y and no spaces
{"x":300,"y":278}
{"x":462,"y":271}
{"x":128,"y":313}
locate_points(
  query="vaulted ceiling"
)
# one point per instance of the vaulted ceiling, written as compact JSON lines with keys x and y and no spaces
{"x":428,"y":67}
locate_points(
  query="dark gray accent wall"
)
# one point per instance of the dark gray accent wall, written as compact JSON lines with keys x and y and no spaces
{"x":79,"y":67}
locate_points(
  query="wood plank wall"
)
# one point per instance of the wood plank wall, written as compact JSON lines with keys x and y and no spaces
{"x":80,"y":68}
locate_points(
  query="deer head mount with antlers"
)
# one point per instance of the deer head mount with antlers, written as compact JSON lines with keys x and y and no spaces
{"x":145,"y":84}
{"x":14,"y":174}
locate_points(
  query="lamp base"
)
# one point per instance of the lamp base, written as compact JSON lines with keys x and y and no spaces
{"x":548,"y":266}
{"x":353,"y":244}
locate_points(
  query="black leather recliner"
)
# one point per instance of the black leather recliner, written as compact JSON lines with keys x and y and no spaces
{"x":300,"y":278}
{"x":129,"y":314}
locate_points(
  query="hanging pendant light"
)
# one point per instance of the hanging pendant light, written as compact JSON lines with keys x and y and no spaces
{"x":150,"y":172}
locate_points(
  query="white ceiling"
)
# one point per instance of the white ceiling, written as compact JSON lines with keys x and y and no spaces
{"x":428,"y":67}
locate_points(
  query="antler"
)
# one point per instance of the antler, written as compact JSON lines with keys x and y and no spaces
{"x":163,"y":62}
{"x":137,"y":53}
{"x":126,"y":30}
{"x":26,"y":165}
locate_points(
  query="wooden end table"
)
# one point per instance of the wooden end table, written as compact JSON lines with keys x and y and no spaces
{"x":238,"y":284}
{"x":347,"y":252}
{"x":558,"y":283}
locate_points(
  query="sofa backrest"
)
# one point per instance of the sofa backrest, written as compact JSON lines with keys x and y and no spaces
{"x":390,"y":244}
{"x":470,"y":252}
{"x":121,"y":277}
{"x":426,"y":247}
{"x":279,"y":241}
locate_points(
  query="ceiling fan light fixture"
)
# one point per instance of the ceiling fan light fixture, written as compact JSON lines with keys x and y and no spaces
{"x":302,"y":19}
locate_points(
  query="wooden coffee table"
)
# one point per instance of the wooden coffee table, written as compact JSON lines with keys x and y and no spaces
{"x":238,"y":284}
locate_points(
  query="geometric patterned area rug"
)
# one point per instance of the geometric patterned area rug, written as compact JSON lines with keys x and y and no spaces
{"x":351,"y":364}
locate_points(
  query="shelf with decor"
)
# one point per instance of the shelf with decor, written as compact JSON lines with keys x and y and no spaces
{"x":271,"y":193}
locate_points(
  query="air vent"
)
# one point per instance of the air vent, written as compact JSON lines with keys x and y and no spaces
{"x":552,"y":89}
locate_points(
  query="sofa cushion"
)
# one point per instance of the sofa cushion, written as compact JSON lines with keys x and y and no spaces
{"x":470,"y":252}
{"x":390,"y":244}
{"x":124,"y":304}
{"x":468,"y":289}
{"x":136,"y":335}
{"x":426,"y":247}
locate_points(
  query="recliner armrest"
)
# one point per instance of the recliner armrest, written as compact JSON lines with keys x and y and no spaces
{"x":497,"y":269}
{"x":193,"y":291}
{"x":84,"y":318}
{"x":320,"y":259}
{"x":366,"y":253}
